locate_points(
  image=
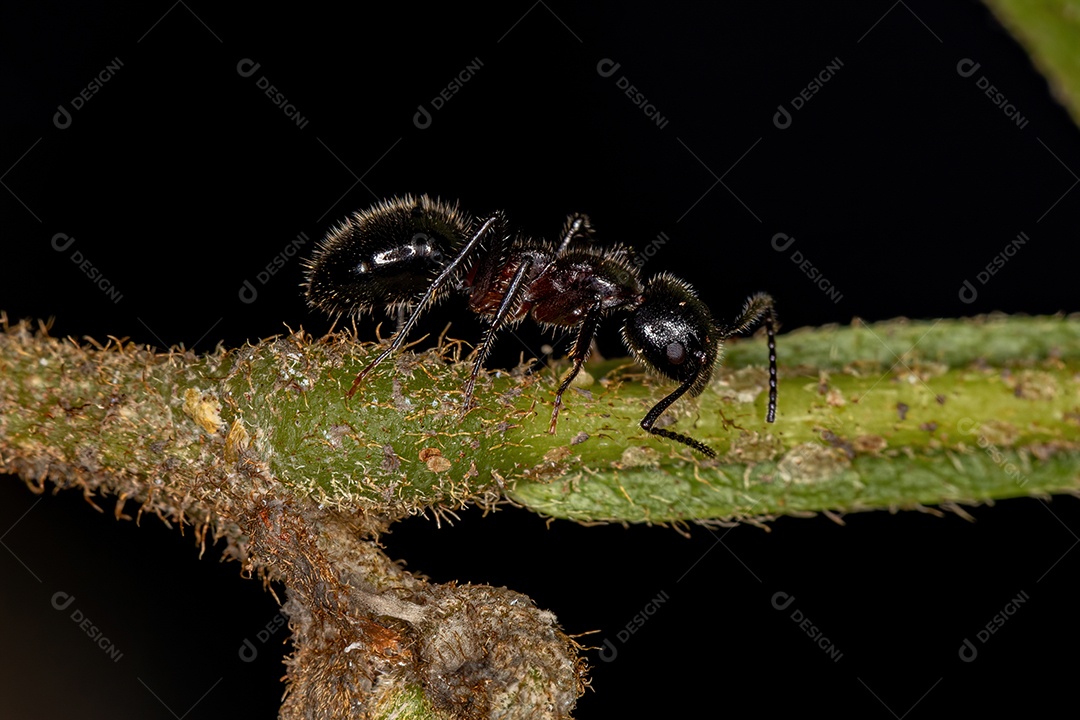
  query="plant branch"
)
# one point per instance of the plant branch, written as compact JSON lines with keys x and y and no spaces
{"x":260,"y":446}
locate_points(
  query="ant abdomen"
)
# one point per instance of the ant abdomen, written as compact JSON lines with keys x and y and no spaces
{"x":385,"y":256}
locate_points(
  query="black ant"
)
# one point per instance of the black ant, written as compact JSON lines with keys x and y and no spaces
{"x":407,"y":253}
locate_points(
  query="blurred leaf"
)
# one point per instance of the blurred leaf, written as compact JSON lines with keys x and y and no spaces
{"x":1050,"y":32}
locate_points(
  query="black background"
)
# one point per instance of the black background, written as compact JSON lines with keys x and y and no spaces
{"x":899,"y":179}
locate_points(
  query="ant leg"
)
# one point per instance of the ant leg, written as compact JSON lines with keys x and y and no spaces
{"x":577,"y":227}
{"x":509,"y":303}
{"x":443,"y":278}
{"x":760,"y":307}
{"x":579,"y":355}
{"x":658,"y":410}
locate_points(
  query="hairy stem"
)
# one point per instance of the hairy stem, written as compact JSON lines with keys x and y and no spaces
{"x":260,"y":445}
{"x":890,"y":415}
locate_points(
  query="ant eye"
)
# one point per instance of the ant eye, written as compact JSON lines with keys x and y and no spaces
{"x":676,"y":353}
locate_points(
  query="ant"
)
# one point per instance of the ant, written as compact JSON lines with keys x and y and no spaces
{"x":408,"y":253}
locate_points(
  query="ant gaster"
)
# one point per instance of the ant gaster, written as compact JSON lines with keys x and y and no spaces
{"x":406,"y":254}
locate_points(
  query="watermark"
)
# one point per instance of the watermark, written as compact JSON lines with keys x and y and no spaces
{"x":422,"y":118}
{"x":782,"y":118}
{"x":248,"y":67}
{"x":609,"y":652}
{"x":967,"y":68}
{"x":61,"y":242}
{"x":248,"y":650}
{"x":781,"y":242}
{"x":608,"y":67}
{"x":62,"y":119}
{"x":649,"y":250}
{"x":969,"y":427}
{"x":968,"y":293}
{"x":248,"y":292}
{"x":782,"y":601}
{"x":62,"y":601}
{"x":624,"y":276}
{"x":968,"y":650}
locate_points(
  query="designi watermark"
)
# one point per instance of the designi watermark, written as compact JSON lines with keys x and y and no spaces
{"x":782,"y":601}
{"x":248,"y":67}
{"x":967,"y":68}
{"x":422,"y":119}
{"x":968,"y":292}
{"x":608,"y":67}
{"x":248,"y":292}
{"x":968,"y":650}
{"x":782,"y":118}
{"x":62,"y":119}
{"x":248,"y":650}
{"x":610,"y":651}
{"x":969,"y":427}
{"x":643,"y":256}
{"x":781,"y":242}
{"x":62,"y":601}
{"x":61,"y":242}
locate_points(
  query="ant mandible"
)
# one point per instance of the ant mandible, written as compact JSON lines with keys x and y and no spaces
{"x":408,"y":253}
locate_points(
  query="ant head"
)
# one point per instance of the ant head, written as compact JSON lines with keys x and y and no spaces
{"x":672,"y":332}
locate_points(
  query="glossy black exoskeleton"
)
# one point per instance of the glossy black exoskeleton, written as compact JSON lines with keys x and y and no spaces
{"x":405,"y":254}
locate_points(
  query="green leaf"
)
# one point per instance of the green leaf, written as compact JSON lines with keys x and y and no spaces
{"x":1050,"y":32}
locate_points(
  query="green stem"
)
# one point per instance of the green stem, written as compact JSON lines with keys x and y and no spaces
{"x":260,"y":445}
{"x":991,"y":412}
{"x":897,"y":414}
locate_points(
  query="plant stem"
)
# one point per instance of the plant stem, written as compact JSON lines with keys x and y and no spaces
{"x":260,"y":445}
{"x":891,"y":415}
